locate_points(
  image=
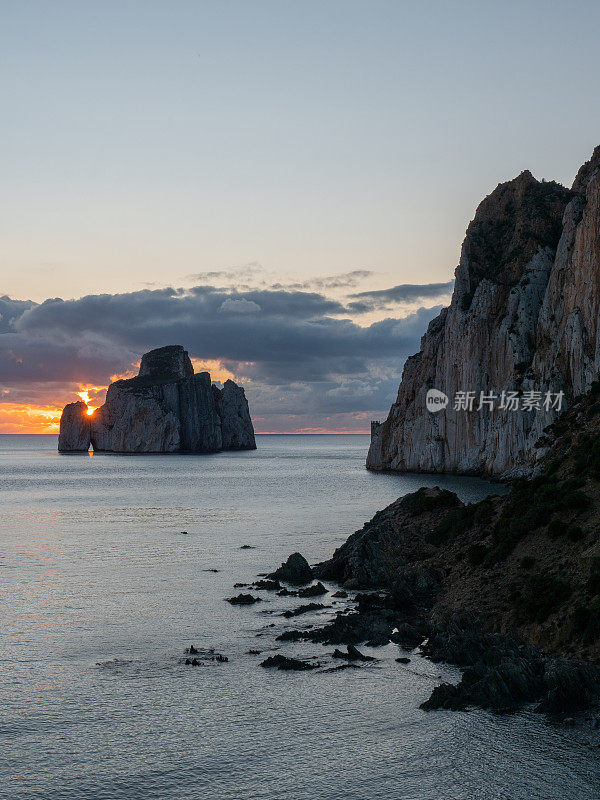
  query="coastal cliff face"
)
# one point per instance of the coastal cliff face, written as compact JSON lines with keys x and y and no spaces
{"x":75,"y":428}
{"x":166,"y":408}
{"x":524,"y":562}
{"x":523,"y":317}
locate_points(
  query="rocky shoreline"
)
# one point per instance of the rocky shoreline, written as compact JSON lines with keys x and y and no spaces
{"x":507,"y":589}
{"x":500,"y":673}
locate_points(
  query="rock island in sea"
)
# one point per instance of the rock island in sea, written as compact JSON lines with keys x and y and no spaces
{"x":166,"y":408}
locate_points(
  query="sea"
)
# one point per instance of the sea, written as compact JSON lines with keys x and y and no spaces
{"x":112,"y":565}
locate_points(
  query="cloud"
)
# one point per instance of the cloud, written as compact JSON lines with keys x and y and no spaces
{"x":404,"y":293}
{"x":254,"y":276}
{"x":240,"y":306}
{"x":300,"y":357}
{"x":343,"y":280}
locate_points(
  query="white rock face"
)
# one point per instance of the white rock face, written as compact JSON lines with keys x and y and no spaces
{"x":165,"y":409}
{"x":523,"y":317}
{"x":74,"y":433}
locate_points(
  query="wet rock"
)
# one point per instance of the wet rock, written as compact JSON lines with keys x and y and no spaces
{"x":303,"y":610}
{"x":295,"y":570}
{"x":501,"y":674}
{"x":286,"y":663}
{"x":267,"y":585}
{"x":287,"y":593}
{"x":403,"y":660}
{"x":372,"y":627}
{"x":570,"y":688}
{"x":408,"y":636}
{"x":243,"y":600}
{"x":352,"y":654}
{"x":192,"y":651}
{"x":313,"y":591}
{"x":340,"y":594}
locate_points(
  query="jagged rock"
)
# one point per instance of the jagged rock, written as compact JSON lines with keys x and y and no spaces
{"x":303,"y":610}
{"x":243,"y":600}
{"x":137,"y":421}
{"x":295,"y":570}
{"x":74,"y":433}
{"x":267,"y":585}
{"x":236,"y":426}
{"x":315,"y":590}
{"x":373,"y":627}
{"x":166,"y":408}
{"x":285,"y":592}
{"x":285,"y":663}
{"x":352,"y":654}
{"x":524,"y":316}
{"x":376,"y":555}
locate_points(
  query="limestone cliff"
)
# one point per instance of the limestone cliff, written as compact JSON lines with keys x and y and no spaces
{"x":74,"y":428}
{"x":166,"y":408}
{"x":525,"y":561}
{"x":523,"y":318}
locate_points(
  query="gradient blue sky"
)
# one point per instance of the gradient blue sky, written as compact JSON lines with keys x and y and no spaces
{"x":146,"y":142}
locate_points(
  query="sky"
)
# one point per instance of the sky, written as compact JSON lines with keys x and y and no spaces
{"x":281,"y":187}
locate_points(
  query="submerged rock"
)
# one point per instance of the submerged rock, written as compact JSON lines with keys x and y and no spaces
{"x":352,"y":654}
{"x":243,"y":600}
{"x":306,"y":609}
{"x":313,"y":591}
{"x":285,"y":592}
{"x":267,"y":585}
{"x":166,"y":408}
{"x":285,"y":663}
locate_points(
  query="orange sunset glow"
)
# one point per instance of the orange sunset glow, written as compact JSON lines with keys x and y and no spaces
{"x":45,"y":418}
{"x":85,"y":396}
{"x":21,"y":418}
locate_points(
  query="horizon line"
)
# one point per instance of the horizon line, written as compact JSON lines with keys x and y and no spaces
{"x":257,"y":433}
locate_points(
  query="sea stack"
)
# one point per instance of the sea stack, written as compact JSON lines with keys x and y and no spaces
{"x":166,"y":408}
{"x":524,"y":317}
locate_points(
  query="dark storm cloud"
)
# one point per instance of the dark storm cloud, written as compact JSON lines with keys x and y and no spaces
{"x":363,"y":302}
{"x":298,"y":352}
{"x":11,"y":310}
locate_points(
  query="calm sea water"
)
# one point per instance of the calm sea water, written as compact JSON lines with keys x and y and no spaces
{"x":101,"y":593}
